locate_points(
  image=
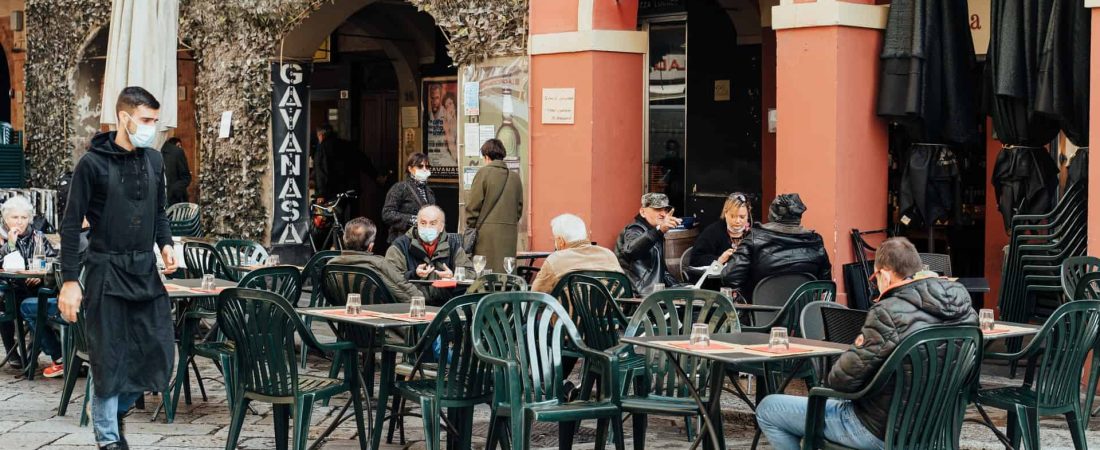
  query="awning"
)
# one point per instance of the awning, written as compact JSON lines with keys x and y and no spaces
{"x":141,"y":51}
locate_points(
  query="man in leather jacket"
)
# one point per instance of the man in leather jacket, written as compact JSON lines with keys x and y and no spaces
{"x":778,"y":247}
{"x":641,"y":246}
{"x":911,"y":301}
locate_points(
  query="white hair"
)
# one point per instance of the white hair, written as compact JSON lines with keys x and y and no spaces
{"x":17,"y":204}
{"x":569,"y":227}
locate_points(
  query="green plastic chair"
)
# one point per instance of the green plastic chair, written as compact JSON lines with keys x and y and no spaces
{"x":616,"y":282}
{"x":240,"y":252}
{"x":74,"y":351}
{"x":1074,"y":270}
{"x":203,"y":259}
{"x":337,"y":282}
{"x":460,"y":380}
{"x":1052,"y":380}
{"x":657,"y":388}
{"x":935,"y":370}
{"x":311,"y":282}
{"x":497,"y":282}
{"x":184,"y":219}
{"x":263,"y":326}
{"x":523,"y":335}
{"x":1088,"y":288}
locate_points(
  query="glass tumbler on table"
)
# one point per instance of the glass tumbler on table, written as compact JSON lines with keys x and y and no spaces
{"x":272,"y":260}
{"x":460,"y":274}
{"x":700,"y":335}
{"x":207,"y":282}
{"x":479,"y":264}
{"x":416,"y":308}
{"x":354,"y":304}
{"x":985,"y":319}
{"x":779,"y":339}
{"x":509,"y":264}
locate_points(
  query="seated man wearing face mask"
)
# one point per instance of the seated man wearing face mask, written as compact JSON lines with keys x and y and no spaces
{"x":573,"y":252}
{"x":425,"y":252}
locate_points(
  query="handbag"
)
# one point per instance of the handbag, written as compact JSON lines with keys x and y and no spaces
{"x":469,"y":237}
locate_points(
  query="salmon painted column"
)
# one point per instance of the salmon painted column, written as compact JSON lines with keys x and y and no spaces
{"x":1094,"y":136}
{"x":591,"y":167}
{"x":831,"y":147}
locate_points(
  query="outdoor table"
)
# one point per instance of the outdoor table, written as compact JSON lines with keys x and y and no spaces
{"x":735,"y":348}
{"x":187,"y":289}
{"x":974,"y":285}
{"x":23,"y":274}
{"x":377,"y":317}
{"x":466,"y":283}
{"x":636,"y":301}
{"x":1005,"y":330}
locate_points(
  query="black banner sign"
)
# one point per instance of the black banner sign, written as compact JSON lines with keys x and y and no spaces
{"x":290,"y":147}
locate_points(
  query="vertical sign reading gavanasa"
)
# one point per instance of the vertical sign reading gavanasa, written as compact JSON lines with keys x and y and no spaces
{"x":290,"y":141}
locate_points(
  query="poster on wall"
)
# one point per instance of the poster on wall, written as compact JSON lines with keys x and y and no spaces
{"x":440,"y":114}
{"x":290,"y":140}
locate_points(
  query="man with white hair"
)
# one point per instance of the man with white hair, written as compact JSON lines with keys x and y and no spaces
{"x":573,"y":252}
{"x":19,"y":242}
{"x":426,"y":252}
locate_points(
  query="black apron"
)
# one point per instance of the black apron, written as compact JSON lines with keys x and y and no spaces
{"x":131,"y":341}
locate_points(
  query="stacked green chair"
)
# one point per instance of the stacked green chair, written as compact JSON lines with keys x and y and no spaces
{"x":460,"y":380}
{"x":238,"y":253}
{"x":1088,"y":288}
{"x":497,"y":282}
{"x":658,"y":389}
{"x":522,"y":335}
{"x":263,"y":326}
{"x":185,"y":220}
{"x":935,"y":369}
{"x":1074,"y":270}
{"x":311,"y":287}
{"x":1052,"y":380}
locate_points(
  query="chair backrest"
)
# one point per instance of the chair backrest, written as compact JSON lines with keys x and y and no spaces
{"x":525,"y":332}
{"x":262,"y":326}
{"x":617,"y":283}
{"x":811,"y":323}
{"x":460,"y":373}
{"x":814,"y":291}
{"x":932,"y":372}
{"x":203,"y":259}
{"x":842,"y":325}
{"x":312,"y":274}
{"x":592,"y":309}
{"x":339,"y":281}
{"x":1088,"y":287}
{"x":937,"y":262}
{"x":685,"y":260}
{"x":497,"y":282}
{"x":282,"y":280}
{"x":1064,"y":341}
{"x":672,"y":312}
{"x":241,"y":252}
{"x":775,"y":291}
{"x":184,"y":219}
{"x":528,"y":273}
{"x":1074,"y":269}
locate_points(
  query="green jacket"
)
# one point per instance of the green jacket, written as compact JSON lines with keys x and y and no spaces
{"x":407,"y":252}
{"x":499,"y":229}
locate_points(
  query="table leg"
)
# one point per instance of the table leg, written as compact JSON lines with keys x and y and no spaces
{"x":717,"y":441}
{"x":344,"y":416}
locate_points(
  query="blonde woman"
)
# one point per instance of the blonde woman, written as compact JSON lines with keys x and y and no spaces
{"x":720,"y":239}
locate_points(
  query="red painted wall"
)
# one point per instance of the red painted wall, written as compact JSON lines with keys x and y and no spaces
{"x":995,"y":237}
{"x":553,"y":16}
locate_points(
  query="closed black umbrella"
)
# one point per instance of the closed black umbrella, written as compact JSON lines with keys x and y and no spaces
{"x":1063,"y":91}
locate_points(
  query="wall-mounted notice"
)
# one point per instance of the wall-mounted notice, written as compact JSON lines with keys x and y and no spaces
{"x":471,"y":138}
{"x":487,"y":132}
{"x":410,"y":117}
{"x":471,"y":104}
{"x":558,"y":105}
{"x":468,"y":174}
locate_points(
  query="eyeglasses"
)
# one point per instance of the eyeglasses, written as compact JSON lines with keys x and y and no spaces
{"x":874,"y":275}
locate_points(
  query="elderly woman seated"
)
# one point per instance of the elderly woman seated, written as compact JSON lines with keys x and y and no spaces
{"x":19,"y":243}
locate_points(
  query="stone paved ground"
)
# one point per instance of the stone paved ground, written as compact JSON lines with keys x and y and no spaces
{"x":28,"y":421}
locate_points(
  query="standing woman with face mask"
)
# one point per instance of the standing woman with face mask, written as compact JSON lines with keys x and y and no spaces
{"x":406,"y":198}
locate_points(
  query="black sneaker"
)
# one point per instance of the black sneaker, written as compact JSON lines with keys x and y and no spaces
{"x":112,"y":446}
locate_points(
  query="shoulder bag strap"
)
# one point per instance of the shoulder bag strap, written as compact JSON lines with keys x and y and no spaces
{"x":481,"y":218}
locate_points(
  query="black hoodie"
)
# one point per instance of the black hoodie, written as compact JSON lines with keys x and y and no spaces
{"x":88,"y":199}
{"x":900,"y":312}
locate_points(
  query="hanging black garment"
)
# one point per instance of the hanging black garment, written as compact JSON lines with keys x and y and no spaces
{"x":1018,"y":29}
{"x":930,"y":185}
{"x":1025,"y":180}
{"x":1078,"y":170}
{"x":927,"y":61}
{"x":1063,"y":90}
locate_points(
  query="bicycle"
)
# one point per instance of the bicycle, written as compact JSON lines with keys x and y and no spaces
{"x":329,"y":211}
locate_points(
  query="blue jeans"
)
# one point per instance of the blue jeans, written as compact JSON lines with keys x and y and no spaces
{"x":782,"y":418}
{"x":106,"y":412}
{"x":29,"y":310}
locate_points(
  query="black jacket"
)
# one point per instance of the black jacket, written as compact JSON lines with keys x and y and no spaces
{"x":177,"y":174}
{"x":772,"y":250}
{"x":403,"y":201}
{"x":641,"y":252}
{"x":900,"y":312}
{"x":1025,"y":180}
{"x":711,"y":243}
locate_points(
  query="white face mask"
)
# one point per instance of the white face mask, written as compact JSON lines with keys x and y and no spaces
{"x":422,"y":175}
{"x":143,"y":136}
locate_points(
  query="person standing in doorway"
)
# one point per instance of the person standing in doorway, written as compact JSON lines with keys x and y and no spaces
{"x":176,"y":171}
{"x":119,"y":187}
{"x":495,"y":206}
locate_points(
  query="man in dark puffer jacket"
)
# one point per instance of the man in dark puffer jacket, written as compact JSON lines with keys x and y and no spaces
{"x":910,"y":301}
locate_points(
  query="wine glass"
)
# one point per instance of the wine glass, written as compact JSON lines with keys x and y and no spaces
{"x":509,"y":264}
{"x":354,"y":304}
{"x":985,"y":319}
{"x":416,"y":308}
{"x":779,"y":339}
{"x":700,"y":335}
{"x":479,"y":264}
{"x":272,"y":260}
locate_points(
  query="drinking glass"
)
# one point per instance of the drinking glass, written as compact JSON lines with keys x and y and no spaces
{"x":479,"y":264}
{"x":273,"y":260}
{"x":658,"y":287}
{"x":354,"y":304}
{"x":416,"y":308}
{"x":985,"y":319}
{"x":700,"y":335}
{"x":486,"y":272}
{"x":727,"y":291}
{"x":779,"y":340}
{"x":509,"y":264}
{"x":460,"y":274}
{"x":208,"y":282}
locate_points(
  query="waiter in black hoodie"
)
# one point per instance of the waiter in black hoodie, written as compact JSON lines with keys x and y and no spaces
{"x":119,"y":187}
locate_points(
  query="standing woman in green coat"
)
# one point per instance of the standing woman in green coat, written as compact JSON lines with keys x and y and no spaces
{"x":494,"y":207}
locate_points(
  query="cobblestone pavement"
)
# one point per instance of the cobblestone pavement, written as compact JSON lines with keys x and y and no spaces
{"x":28,"y":420}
